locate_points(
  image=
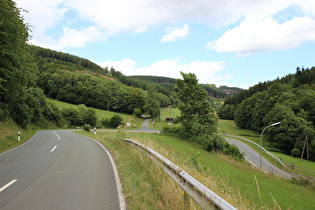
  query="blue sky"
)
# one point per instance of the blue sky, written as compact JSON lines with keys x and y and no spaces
{"x":228,"y":42}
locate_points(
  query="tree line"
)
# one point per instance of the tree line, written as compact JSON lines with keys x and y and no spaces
{"x":60,"y":56}
{"x":289,"y":100}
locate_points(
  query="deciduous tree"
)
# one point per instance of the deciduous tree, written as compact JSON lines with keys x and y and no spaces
{"x":197,"y":113}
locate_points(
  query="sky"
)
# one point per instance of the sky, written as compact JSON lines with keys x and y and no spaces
{"x":237,"y":43}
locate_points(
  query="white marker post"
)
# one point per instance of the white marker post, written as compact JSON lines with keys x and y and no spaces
{"x":19,"y":136}
{"x":95,"y":131}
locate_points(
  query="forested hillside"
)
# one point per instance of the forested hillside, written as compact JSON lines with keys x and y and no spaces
{"x":75,"y":80}
{"x":213,"y":91}
{"x":289,"y":100}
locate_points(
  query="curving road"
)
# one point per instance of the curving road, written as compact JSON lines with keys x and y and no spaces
{"x":254,"y":159}
{"x":58,"y":170}
{"x":145,"y":128}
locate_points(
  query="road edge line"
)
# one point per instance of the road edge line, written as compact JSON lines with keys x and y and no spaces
{"x":122,"y":202}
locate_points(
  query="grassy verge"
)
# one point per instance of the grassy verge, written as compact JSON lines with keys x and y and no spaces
{"x":9,"y":135}
{"x":236,"y":182}
{"x":145,"y":185}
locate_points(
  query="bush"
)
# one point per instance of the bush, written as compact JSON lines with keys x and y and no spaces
{"x":87,"y":127}
{"x":233,"y":151}
{"x":105,"y":122}
{"x":172,"y":130}
{"x":214,"y":142}
{"x":137,"y":112}
{"x":72,"y":116}
{"x":115,"y":121}
{"x":296,"y":152}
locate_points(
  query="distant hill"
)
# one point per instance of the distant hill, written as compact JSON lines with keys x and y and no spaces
{"x":231,"y":90}
{"x":50,"y":60}
{"x":213,"y":91}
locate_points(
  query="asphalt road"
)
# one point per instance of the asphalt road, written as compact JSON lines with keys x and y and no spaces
{"x":143,"y":129}
{"x":57,"y":170}
{"x":254,"y":159}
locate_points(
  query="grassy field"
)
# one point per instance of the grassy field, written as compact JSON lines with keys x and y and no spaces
{"x":101,"y":114}
{"x":165,"y":112}
{"x":234,"y":181}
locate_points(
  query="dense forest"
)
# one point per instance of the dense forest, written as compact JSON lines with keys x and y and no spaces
{"x":289,"y":100}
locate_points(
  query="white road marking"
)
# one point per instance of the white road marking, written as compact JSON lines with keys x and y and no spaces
{"x":7,"y":185}
{"x":53,"y":148}
{"x":57,"y":135}
{"x":250,"y":161}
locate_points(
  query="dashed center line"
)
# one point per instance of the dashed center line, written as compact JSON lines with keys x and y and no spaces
{"x":57,"y":135}
{"x":7,"y":185}
{"x":53,"y":148}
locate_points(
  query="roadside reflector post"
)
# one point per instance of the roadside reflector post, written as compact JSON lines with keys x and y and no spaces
{"x":95,"y":131}
{"x":19,"y":136}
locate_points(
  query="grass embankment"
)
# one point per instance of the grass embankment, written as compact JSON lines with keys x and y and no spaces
{"x":233,"y":181}
{"x":9,"y":135}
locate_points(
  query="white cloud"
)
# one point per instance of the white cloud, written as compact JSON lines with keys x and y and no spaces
{"x":74,"y":38}
{"x":125,"y":66}
{"x":175,"y":34}
{"x":124,"y":15}
{"x":42,"y":14}
{"x":266,"y":34}
{"x":205,"y":71}
{"x":112,"y":17}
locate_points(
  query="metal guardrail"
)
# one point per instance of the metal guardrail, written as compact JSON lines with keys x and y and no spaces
{"x":295,"y":167}
{"x":272,"y":155}
{"x":200,"y":193}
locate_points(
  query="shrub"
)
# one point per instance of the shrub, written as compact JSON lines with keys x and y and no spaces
{"x":296,"y":152}
{"x":105,"y":122}
{"x":71,"y":115}
{"x":87,"y":127}
{"x":233,"y":151}
{"x":172,"y":130}
{"x":137,"y":112}
{"x":214,"y":142}
{"x":115,"y":121}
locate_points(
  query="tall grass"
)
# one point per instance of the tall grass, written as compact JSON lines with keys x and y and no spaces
{"x":9,"y":135}
{"x":145,"y":184}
